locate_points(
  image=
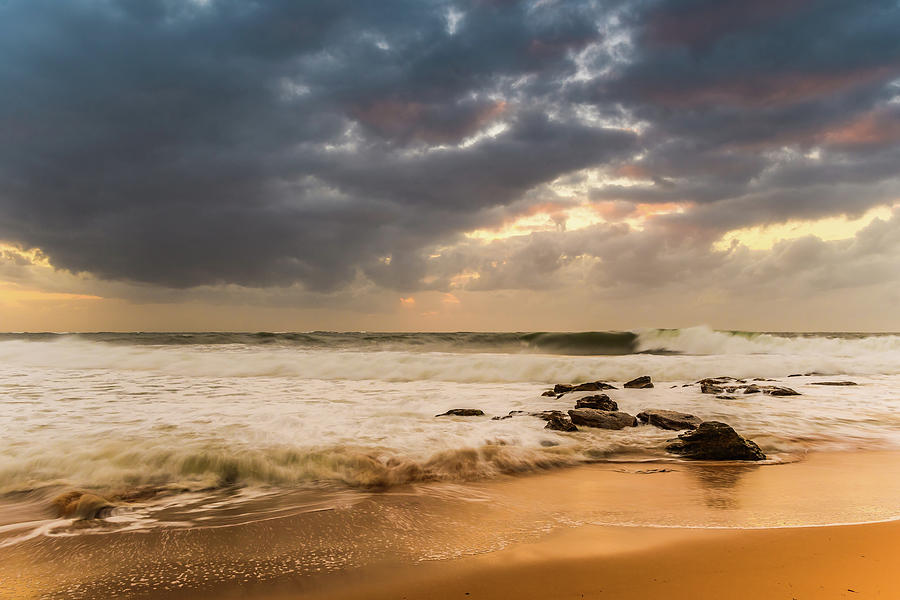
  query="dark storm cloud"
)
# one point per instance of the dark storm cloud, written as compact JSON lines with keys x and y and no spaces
{"x":723,"y":86}
{"x":187,"y":143}
{"x":265,"y":143}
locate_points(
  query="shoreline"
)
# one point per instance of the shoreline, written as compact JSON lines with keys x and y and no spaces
{"x":426,"y":535}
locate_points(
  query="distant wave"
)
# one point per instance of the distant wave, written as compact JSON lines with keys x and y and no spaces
{"x":669,"y":355}
{"x":583,"y":343}
{"x":693,"y":340}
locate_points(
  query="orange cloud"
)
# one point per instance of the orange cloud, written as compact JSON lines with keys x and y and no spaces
{"x":635,"y":172}
{"x":410,"y":301}
{"x":397,"y":118}
{"x":767,"y":90}
{"x":877,"y":127}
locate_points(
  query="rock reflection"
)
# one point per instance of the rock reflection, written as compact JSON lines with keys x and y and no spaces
{"x":719,"y":483}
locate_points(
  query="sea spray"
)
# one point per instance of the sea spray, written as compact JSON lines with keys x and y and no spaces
{"x":115,"y":411}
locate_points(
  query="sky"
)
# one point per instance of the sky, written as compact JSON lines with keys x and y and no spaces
{"x":449,"y":165}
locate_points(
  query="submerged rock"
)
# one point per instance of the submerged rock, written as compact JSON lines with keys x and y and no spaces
{"x":669,"y":419}
{"x":462,"y":412}
{"x":602,"y":419}
{"x":599,"y":402}
{"x":776,"y":390}
{"x":726,"y":397}
{"x":720,"y":380}
{"x":560,"y":423}
{"x":591,"y":386}
{"x":640,"y":383}
{"x":511,"y":414}
{"x":81,"y":505}
{"x":714,"y":440}
{"x":549,"y":393}
{"x":841,"y":383}
{"x":710,"y":388}
{"x":548,"y":414}
{"x":752,"y":389}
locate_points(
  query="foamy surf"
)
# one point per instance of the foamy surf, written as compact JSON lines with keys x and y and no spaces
{"x":109,"y":413}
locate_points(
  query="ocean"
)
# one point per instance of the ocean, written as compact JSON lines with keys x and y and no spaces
{"x":272,"y":455}
{"x":195,"y":410}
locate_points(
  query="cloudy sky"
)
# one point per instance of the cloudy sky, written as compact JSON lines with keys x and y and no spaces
{"x":470,"y":164}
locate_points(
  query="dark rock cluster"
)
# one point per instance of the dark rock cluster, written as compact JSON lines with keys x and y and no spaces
{"x":703,"y":440}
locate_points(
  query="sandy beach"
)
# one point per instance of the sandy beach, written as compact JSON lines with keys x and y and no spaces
{"x":637,"y":563}
{"x":619,"y":530}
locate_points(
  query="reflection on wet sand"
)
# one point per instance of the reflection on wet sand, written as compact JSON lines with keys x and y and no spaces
{"x":238,"y":540}
{"x":720,"y":483}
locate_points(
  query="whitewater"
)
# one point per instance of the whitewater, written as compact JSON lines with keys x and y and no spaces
{"x":112,"y":412}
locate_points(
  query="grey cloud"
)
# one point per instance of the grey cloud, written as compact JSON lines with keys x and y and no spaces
{"x":282,"y":144}
{"x":622,"y":263}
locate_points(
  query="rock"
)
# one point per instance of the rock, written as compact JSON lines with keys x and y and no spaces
{"x":549,"y":393}
{"x":462,"y":412}
{"x":560,"y":423}
{"x":763,"y":379}
{"x":714,"y":440}
{"x":549,"y":443}
{"x":603,"y":419}
{"x":721,"y":380}
{"x":591,"y":386}
{"x":726,"y":397}
{"x":834,"y":383}
{"x":709,"y":388}
{"x":752,"y":389}
{"x":548,"y":414}
{"x":669,"y":419}
{"x":599,"y":402}
{"x":640,"y":383}
{"x":776,"y":390}
{"x":81,"y":505}
{"x":512,"y":413}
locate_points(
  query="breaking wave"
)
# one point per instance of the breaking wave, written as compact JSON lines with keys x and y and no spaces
{"x":467,"y":358}
{"x":693,"y":340}
{"x":121,"y":466}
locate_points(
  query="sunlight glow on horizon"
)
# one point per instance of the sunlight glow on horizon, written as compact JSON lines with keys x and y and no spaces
{"x":765,"y":237}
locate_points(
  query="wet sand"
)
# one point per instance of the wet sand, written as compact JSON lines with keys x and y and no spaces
{"x":854,"y":561}
{"x":620,"y":530}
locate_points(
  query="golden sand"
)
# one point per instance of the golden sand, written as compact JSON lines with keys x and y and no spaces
{"x":694,"y":531}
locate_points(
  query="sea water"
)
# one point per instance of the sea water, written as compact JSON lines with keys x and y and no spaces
{"x":115,"y":411}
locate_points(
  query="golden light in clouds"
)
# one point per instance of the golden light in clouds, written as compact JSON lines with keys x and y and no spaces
{"x":561,"y":218}
{"x":32,"y":256}
{"x":833,"y":228}
{"x":460,"y":279}
{"x":410,"y":301}
{"x":12,"y":293}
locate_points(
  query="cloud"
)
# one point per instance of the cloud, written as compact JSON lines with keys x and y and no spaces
{"x":279,"y":148}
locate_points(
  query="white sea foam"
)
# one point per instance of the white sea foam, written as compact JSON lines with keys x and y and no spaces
{"x":85,"y":413}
